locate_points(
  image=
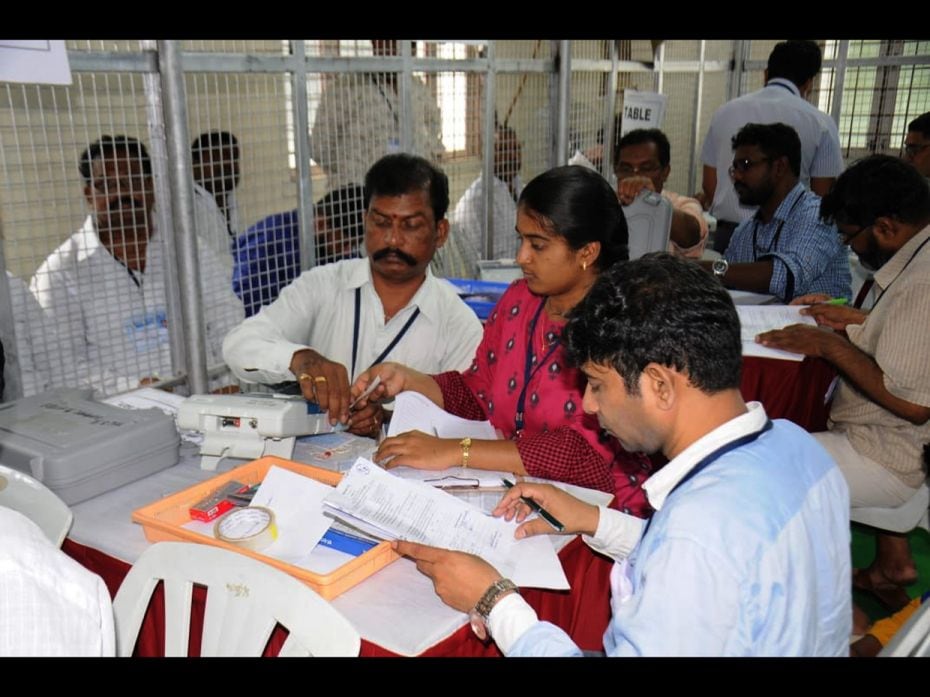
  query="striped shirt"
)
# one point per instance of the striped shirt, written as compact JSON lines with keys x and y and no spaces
{"x":897,"y":335}
{"x":807,"y":254}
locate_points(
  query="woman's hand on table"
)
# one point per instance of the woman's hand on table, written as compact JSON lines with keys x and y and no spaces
{"x":419,"y":450}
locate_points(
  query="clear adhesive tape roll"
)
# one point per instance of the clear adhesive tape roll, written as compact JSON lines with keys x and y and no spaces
{"x":251,"y":528}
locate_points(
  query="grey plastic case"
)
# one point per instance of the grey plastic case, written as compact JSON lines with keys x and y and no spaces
{"x":80,"y":448}
{"x":649,"y":221}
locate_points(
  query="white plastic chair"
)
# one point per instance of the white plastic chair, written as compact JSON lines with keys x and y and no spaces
{"x":37,"y":502}
{"x":246,"y":599}
{"x":909,"y":515}
{"x":649,"y":222}
{"x":913,"y":639}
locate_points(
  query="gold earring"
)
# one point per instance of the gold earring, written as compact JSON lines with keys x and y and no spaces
{"x":584,"y":266}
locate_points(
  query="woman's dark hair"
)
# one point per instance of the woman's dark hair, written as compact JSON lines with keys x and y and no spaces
{"x":578,"y":204}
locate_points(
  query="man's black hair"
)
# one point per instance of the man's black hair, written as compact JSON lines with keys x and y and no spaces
{"x":109,"y":145}
{"x":874,"y":187}
{"x":400,"y":173}
{"x":659,"y":309}
{"x":795,"y":60}
{"x":774,"y":139}
{"x":646,"y":135}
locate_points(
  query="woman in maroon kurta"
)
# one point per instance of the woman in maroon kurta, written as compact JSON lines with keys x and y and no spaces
{"x":571,"y":227}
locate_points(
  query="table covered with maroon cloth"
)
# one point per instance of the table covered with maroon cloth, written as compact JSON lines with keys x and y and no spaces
{"x":792,"y":390}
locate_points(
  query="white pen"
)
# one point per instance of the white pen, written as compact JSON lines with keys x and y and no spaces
{"x":366,"y":393}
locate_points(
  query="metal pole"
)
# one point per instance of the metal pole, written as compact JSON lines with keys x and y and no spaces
{"x":155,"y":111}
{"x":487,"y":156}
{"x":405,"y":84}
{"x":607,"y":158}
{"x":182,"y":199}
{"x":696,"y":130}
{"x":740,"y":50}
{"x":565,"y":76}
{"x":305,"y":217}
{"x":660,"y":63}
{"x":12,"y":369}
{"x":839,"y":77}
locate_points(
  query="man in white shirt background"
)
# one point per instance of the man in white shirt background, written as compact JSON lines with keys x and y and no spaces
{"x":467,"y":220}
{"x":335,"y":321}
{"x":104,"y":288}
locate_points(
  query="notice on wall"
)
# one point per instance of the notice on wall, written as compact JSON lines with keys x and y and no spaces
{"x":34,"y":61}
{"x":642,"y":110}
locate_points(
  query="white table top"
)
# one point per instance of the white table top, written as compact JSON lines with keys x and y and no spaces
{"x":395,"y":608}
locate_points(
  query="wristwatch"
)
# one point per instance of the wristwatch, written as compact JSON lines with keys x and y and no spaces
{"x":466,"y":444}
{"x":720,"y":267}
{"x":478,"y":616}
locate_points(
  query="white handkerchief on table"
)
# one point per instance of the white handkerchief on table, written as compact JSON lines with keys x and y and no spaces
{"x":414,"y":412}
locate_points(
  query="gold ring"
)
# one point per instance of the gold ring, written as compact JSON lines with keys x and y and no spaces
{"x":304,"y":376}
{"x":319,"y":378}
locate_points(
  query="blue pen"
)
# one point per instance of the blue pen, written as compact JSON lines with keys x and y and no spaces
{"x":543,"y":513}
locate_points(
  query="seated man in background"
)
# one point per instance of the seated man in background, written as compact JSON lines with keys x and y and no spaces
{"x":880,"y":416}
{"x":467,"y":221}
{"x":917,"y":144}
{"x":215,"y":160}
{"x":642,"y":161}
{"x":336,"y":321}
{"x":747,"y":553}
{"x":785,"y":249}
{"x":104,"y":287}
{"x":268,"y":254}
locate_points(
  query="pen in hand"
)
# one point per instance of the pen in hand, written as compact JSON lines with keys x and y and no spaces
{"x":543,"y":513}
{"x":366,"y":393}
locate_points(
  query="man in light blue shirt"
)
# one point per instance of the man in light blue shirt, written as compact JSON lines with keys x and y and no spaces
{"x":786,"y":249}
{"x":747,"y":553}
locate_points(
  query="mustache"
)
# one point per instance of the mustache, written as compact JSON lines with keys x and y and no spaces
{"x":125,"y":202}
{"x":387,"y":251}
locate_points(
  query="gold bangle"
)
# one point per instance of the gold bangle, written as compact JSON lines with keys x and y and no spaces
{"x":466,"y":444}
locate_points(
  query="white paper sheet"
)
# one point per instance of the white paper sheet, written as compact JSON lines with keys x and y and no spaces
{"x":745,"y":297}
{"x":297,"y":502}
{"x":414,"y":412}
{"x":755,"y":319}
{"x":409,"y":510}
{"x":455,"y":477}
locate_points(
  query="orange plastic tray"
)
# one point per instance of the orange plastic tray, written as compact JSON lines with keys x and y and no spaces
{"x":162,"y":521}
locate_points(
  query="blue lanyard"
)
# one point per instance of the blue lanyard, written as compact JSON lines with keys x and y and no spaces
{"x":713,"y":457}
{"x":385,"y":352}
{"x":528,"y":370}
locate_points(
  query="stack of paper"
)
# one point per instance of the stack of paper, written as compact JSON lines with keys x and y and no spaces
{"x":370,"y":499}
{"x":755,"y":319}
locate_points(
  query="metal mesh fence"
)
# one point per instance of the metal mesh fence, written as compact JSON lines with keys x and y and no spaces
{"x":285,"y":193}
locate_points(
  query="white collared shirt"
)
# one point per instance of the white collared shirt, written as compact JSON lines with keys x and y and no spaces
{"x":317,"y":311}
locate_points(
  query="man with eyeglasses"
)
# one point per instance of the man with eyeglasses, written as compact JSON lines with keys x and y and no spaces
{"x":789,"y":79}
{"x":104,"y":287}
{"x":642,"y":161}
{"x":916,"y":148}
{"x":336,"y":321}
{"x":880,"y":416}
{"x":785,"y":249}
